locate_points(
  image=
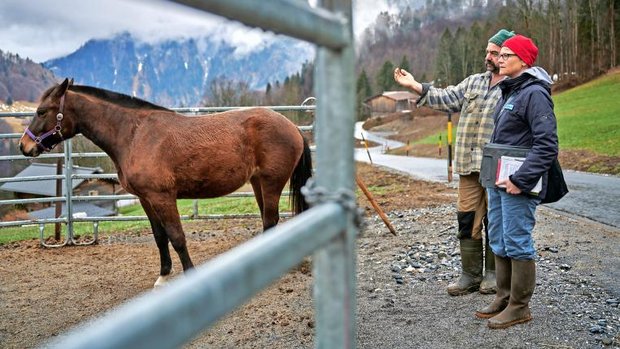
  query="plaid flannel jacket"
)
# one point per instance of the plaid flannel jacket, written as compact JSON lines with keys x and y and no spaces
{"x":476,"y":101}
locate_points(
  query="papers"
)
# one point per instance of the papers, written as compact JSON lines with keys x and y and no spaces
{"x":507,"y":165}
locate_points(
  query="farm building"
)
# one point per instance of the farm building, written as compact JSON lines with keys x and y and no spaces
{"x":391,"y":102}
{"x":81,"y":187}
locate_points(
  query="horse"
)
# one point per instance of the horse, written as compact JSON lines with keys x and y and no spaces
{"x":162,"y":156}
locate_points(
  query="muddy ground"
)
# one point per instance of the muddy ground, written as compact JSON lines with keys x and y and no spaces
{"x":401,"y":298}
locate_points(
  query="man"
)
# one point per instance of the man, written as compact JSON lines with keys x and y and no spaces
{"x":475,"y":98}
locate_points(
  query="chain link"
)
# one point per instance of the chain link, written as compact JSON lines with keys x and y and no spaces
{"x":316,"y":195}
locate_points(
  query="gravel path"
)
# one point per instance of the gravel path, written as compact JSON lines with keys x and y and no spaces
{"x":402,"y":302}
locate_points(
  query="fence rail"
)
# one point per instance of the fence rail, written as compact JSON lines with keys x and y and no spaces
{"x":69,"y":155}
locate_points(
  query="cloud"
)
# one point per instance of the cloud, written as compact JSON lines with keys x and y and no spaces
{"x":44,"y":29}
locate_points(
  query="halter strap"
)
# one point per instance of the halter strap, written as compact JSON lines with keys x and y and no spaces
{"x":55,"y":131}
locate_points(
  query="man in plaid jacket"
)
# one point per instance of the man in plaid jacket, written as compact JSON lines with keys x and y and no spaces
{"x":475,"y":98}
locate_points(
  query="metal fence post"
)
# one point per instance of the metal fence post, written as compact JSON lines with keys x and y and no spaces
{"x":69,"y":190}
{"x":334,"y":266}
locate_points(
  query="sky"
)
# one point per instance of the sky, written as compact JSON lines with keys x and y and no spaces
{"x":46,"y":29}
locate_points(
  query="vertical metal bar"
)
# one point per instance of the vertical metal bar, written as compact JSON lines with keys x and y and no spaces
{"x":334,"y":266}
{"x":58,"y":204}
{"x":69,"y":189}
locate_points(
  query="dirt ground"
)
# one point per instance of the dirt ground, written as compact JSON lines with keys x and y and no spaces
{"x":44,"y":292}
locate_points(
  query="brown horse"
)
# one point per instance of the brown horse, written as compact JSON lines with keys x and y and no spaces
{"x":162,"y":156}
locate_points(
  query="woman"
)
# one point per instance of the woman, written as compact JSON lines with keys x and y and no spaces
{"x":524,"y":117}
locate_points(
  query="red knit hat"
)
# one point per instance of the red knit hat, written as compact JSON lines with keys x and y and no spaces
{"x":523,"y":47}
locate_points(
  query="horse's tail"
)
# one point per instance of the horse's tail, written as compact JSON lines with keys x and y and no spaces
{"x":300,"y":176}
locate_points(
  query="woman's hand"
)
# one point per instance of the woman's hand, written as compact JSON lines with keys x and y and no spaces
{"x":510,"y":187}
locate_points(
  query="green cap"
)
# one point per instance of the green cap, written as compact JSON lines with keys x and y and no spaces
{"x":501,"y":36}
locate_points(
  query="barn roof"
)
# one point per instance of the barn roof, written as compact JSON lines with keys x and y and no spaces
{"x":45,"y":187}
{"x":83,"y":209}
{"x":395,"y":95}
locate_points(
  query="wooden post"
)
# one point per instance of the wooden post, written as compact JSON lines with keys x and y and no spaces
{"x":366,"y":146}
{"x":375,"y":205}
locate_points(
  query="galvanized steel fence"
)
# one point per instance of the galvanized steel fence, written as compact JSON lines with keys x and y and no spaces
{"x":171,"y":316}
{"x":69,"y":199}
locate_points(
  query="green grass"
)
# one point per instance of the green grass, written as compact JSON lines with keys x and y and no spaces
{"x":438,"y":137}
{"x":223,"y":205}
{"x":589,"y":116}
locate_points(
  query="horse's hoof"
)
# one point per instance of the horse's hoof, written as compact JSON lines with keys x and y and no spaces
{"x":162,"y":280}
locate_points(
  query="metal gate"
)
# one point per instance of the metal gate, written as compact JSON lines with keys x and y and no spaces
{"x":69,"y":199}
{"x":173,"y":315}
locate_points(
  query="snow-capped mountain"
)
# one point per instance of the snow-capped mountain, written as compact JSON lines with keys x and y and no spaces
{"x":177,"y":73}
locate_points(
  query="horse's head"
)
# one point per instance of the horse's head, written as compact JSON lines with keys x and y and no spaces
{"x":50,"y":125}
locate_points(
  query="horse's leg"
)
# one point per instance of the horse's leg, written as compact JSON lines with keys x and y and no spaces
{"x":165,"y":209}
{"x":258,"y":193}
{"x":161,"y":239}
{"x":271,"y":191}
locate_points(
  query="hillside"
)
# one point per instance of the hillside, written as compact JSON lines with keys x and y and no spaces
{"x":22,"y":79}
{"x":588,"y":127}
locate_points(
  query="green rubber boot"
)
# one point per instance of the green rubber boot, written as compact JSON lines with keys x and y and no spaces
{"x":522,"y":286}
{"x":471,"y":275}
{"x":504,"y":275}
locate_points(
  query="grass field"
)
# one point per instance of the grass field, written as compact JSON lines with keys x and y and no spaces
{"x":589,"y":116}
{"x":225,"y":205}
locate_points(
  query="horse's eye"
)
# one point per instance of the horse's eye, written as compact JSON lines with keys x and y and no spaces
{"x":41,"y":112}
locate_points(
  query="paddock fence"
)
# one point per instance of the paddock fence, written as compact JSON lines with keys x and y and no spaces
{"x":72,"y":216}
{"x":173,"y":315}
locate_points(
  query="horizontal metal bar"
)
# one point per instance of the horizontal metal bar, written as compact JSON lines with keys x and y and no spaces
{"x":95,"y":176}
{"x":24,"y":223}
{"x":191,"y":110}
{"x":32,"y":201}
{"x":17,"y":114}
{"x":10,"y":135}
{"x":222,"y":109}
{"x":28,"y":222}
{"x":42,"y":156}
{"x":293,"y":18}
{"x":30,"y":178}
{"x":168,"y":316}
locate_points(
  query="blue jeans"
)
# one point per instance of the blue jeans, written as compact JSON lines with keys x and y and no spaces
{"x":511,"y":221}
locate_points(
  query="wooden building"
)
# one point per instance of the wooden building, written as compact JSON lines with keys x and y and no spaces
{"x":391,"y":102}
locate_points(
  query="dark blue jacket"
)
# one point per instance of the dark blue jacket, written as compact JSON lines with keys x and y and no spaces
{"x":524,"y":117}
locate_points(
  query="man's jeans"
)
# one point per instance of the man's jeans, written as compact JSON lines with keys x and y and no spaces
{"x":511,"y":221}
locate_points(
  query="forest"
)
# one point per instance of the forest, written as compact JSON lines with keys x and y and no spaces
{"x":444,"y":41}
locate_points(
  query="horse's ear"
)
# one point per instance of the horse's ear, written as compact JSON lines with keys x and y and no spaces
{"x":71,"y":82}
{"x":62,"y":88}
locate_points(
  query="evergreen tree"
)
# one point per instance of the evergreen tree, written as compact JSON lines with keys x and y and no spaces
{"x":363,"y":90}
{"x":385,"y":77}
{"x":404,"y":64}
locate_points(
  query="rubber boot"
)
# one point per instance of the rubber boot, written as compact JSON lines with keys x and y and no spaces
{"x":522,"y":285}
{"x":471,"y":261}
{"x":504,"y":275}
{"x":488,"y":284}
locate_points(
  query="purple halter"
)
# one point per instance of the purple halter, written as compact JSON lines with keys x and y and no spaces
{"x":55,"y":131}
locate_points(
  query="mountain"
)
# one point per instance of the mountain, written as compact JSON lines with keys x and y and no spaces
{"x":177,"y":73}
{"x":22,"y":79}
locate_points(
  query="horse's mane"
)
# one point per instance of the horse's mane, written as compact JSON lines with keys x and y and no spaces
{"x":116,"y":98}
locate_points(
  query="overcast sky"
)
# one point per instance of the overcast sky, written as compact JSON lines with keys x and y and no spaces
{"x":45,"y":29}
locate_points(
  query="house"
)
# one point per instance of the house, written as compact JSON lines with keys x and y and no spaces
{"x":80,"y":187}
{"x":391,"y":102}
